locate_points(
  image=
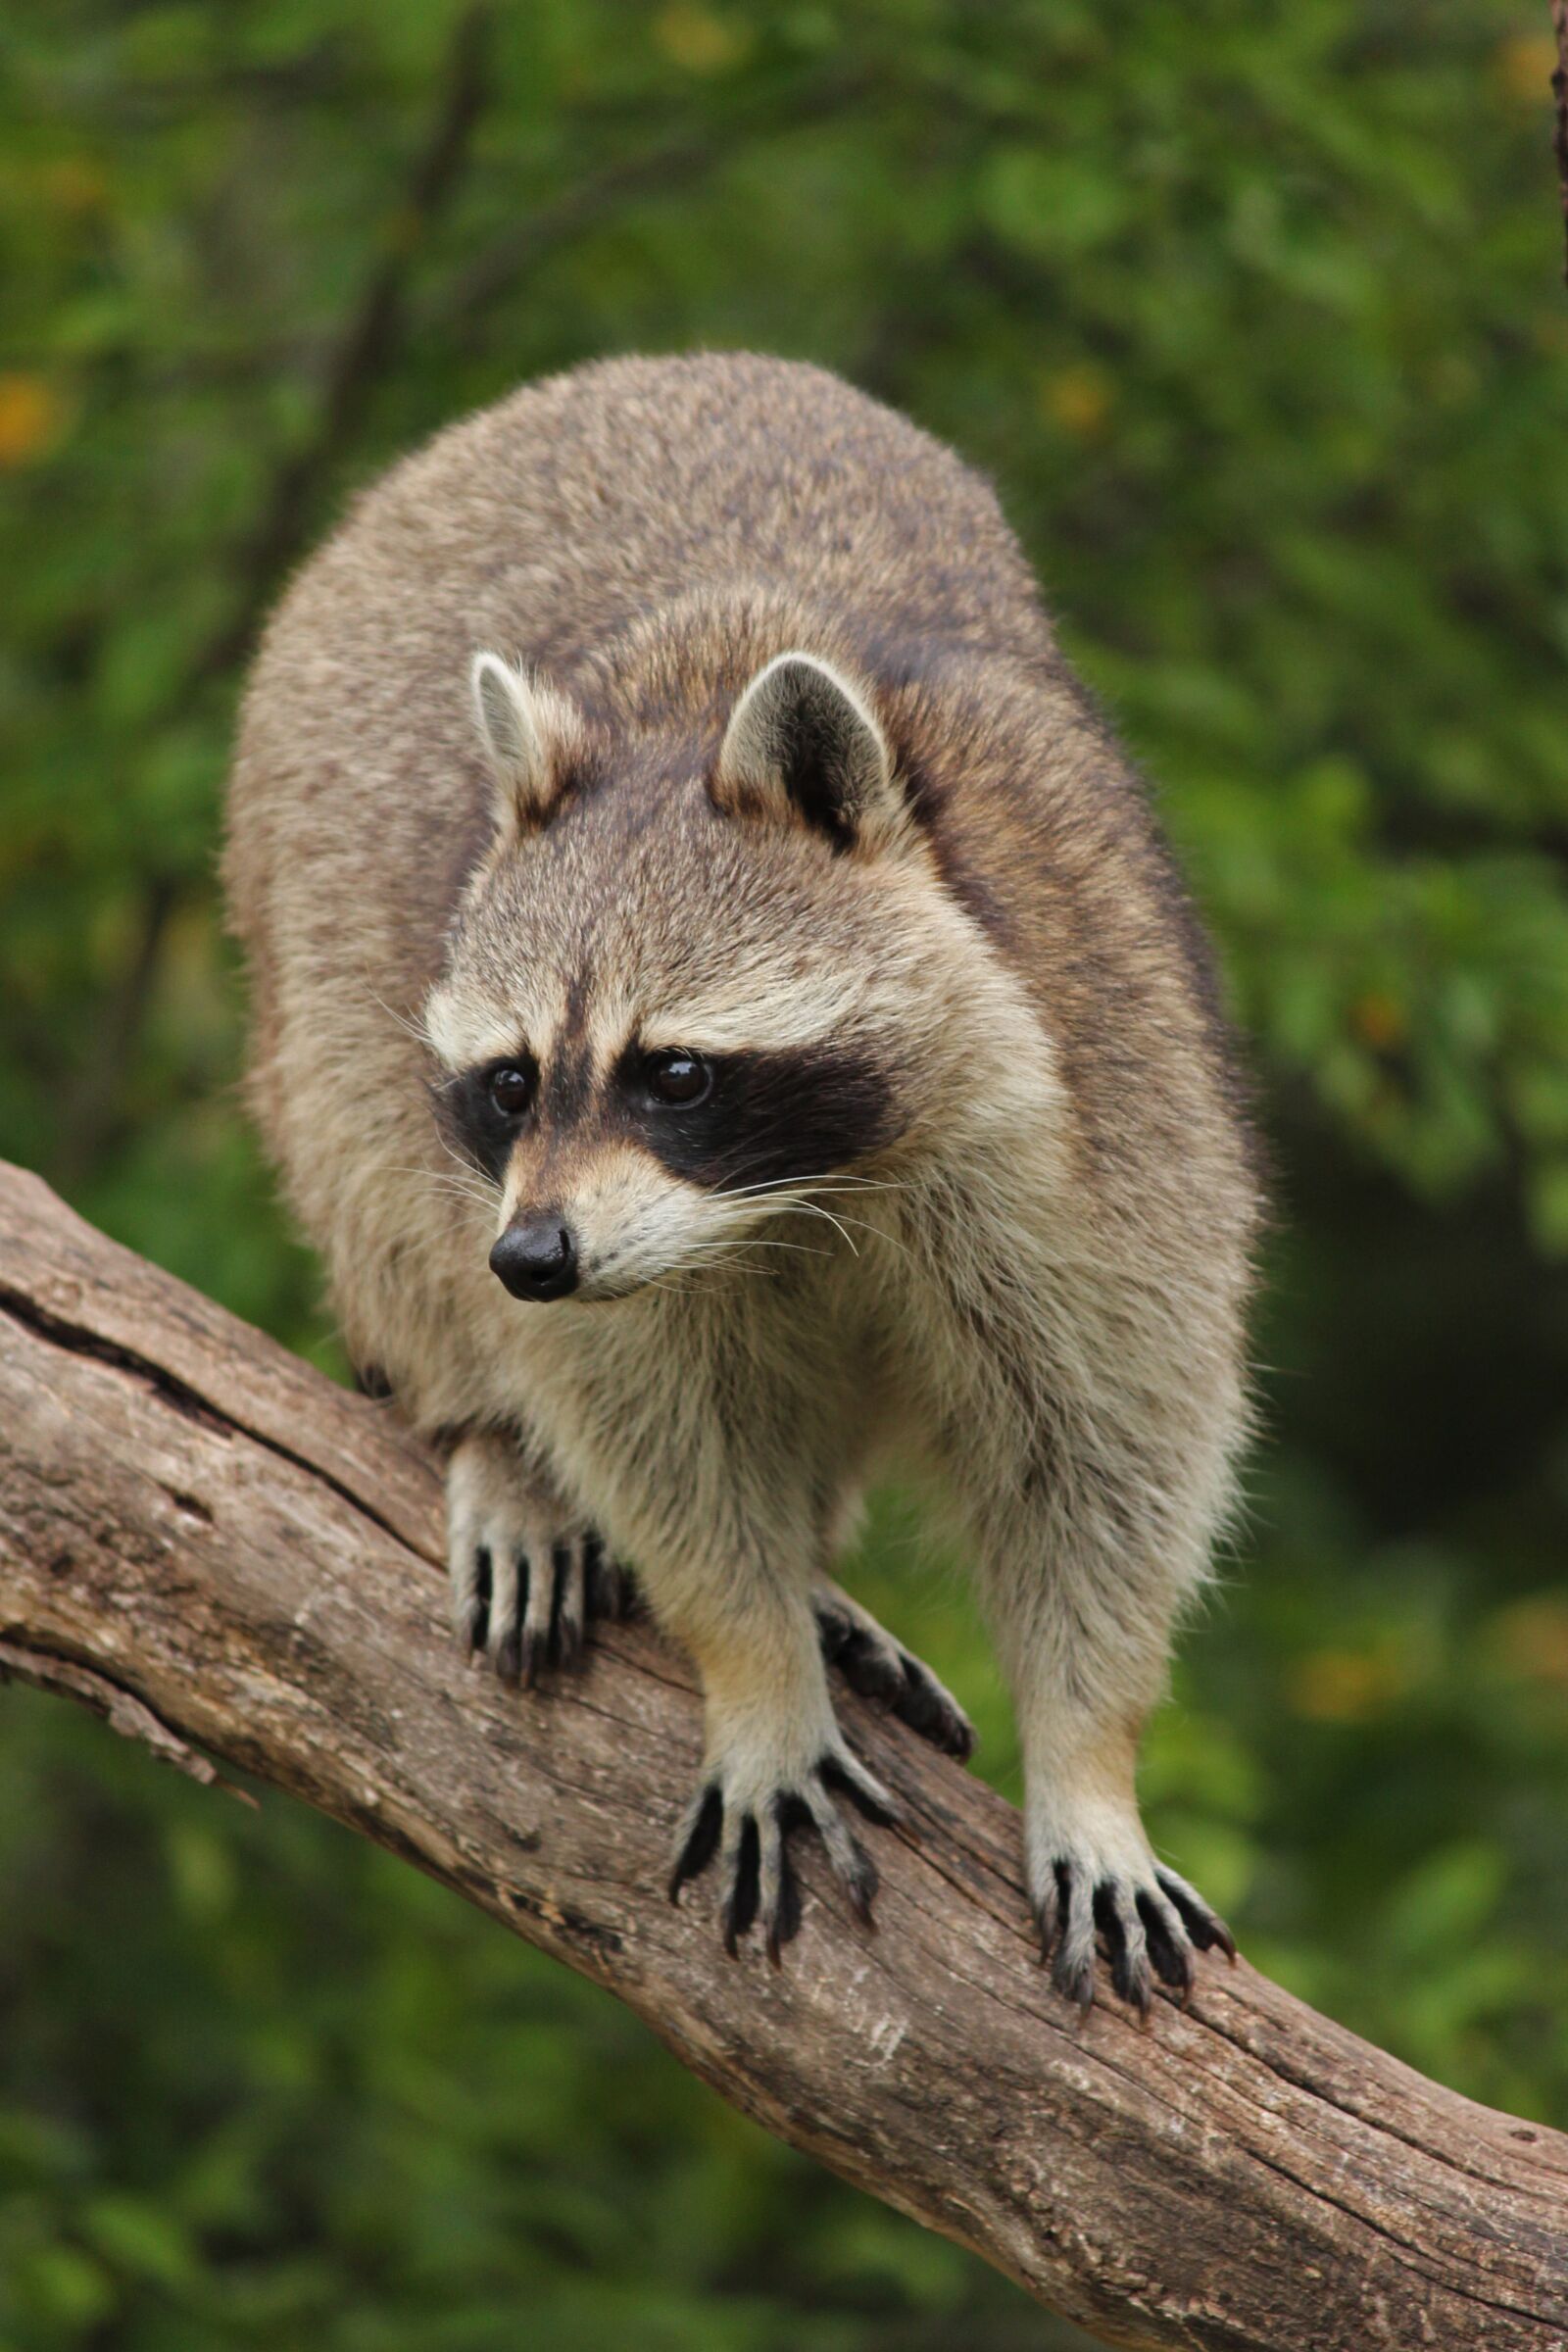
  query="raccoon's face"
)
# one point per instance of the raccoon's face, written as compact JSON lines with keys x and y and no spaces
{"x":675,"y":1004}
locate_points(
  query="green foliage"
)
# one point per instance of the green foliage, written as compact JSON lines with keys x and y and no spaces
{"x":1255,"y":314}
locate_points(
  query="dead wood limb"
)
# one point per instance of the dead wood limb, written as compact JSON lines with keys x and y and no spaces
{"x":205,"y":1540}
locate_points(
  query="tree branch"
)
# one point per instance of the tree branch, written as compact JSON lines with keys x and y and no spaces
{"x":207,"y":1540}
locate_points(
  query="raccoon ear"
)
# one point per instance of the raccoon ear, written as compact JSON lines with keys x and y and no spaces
{"x":530,"y":732}
{"x":802,"y":743}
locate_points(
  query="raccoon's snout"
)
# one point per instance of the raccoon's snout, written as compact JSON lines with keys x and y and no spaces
{"x":536,"y":1257}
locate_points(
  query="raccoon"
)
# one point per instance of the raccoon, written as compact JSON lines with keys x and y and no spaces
{"x":726,"y":1015}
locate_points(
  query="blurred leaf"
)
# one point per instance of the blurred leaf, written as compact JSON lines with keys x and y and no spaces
{"x":1255,"y":317}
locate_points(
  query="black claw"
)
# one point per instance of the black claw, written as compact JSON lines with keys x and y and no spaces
{"x":880,"y":1670}
{"x":926,"y":1708}
{"x":612,"y":1590}
{"x":861,"y":1889}
{"x":1172,"y":1961}
{"x":559,"y":1565}
{"x":793,"y":1812}
{"x":1129,"y":1974}
{"x":1047,"y":1916}
{"x":834,"y":1627}
{"x":1134,"y":1982}
{"x":870,"y":1666}
{"x":603,"y":1588}
{"x":509,"y":1657}
{"x":740,"y":1906}
{"x":1075,"y":1982}
{"x":832,"y":1775}
{"x":786,"y":1920}
{"x":480,"y":1621}
{"x":788,"y":1812}
{"x":1208,"y":1930}
{"x":530,"y":1657}
{"x":702,"y":1842}
{"x":566,"y":1629}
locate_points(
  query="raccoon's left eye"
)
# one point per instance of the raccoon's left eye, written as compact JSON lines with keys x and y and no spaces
{"x":510,"y":1089}
{"x":677,"y":1078}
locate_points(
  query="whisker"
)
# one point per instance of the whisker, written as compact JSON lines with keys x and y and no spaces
{"x":824,"y":1183}
{"x":814,"y":1210}
{"x":804,"y":1248}
{"x":411,"y":1028}
{"x":880,"y":1233}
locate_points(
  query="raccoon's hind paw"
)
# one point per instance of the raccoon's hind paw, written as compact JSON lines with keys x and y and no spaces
{"x":1151,"y":1924}
{"x":872,"y":1663}
{"x":749,"y":1830}
{"x":525,"y":1583}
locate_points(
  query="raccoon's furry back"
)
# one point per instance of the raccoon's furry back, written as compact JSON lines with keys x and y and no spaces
{"x":643,"y":532}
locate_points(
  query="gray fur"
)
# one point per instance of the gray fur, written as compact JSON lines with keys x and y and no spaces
{"x":1032,"y":1289}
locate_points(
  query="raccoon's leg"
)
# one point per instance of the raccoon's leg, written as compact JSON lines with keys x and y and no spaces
{"x":1085,"y":1644}
{"x":775,"y":1760}
{"x":526,"y":1574}
{"x":1082,"y":1572}
{"x":880,"y":1668}
{"x":1091,"y":1867}
{"x":871,"y":1661}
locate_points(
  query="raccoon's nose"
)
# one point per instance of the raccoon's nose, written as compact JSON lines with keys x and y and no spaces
{"x":536,"y":1257}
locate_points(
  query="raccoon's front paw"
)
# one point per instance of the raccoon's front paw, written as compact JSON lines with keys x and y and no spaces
{"x":1151,"y":1923}
{"x":872,"y":1663}
{"x":526,"y":1577}
{"x":746,"y":1815}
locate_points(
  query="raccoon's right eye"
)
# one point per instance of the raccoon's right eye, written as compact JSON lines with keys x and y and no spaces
{"x":510,"y":1089}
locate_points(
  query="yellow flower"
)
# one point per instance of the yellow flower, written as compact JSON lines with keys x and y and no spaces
{"x":1531,"y":1639}
{"x":1378,"y":1021}
{"x":1077,"y":399}
{"x":1344,"y":1686}
{"x":1523,"y":64}
{"x":31,"y":413}
{"x":698,"y":40}
{"x":74,"y":183}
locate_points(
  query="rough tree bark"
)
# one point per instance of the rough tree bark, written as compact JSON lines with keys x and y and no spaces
{"x":231,"y":1558}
